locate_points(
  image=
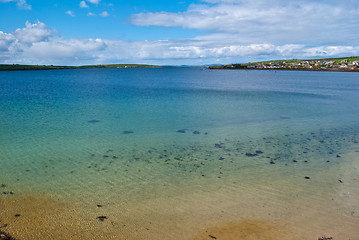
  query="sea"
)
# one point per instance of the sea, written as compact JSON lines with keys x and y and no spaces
{"x":179,"y":153}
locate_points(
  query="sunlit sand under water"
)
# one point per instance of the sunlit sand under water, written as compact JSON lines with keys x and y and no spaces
{"x":288,"y":185}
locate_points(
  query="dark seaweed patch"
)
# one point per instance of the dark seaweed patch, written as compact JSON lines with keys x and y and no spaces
{"x":6,"y":236}
{"x":325,"y":238}
{"x":101,"y":218}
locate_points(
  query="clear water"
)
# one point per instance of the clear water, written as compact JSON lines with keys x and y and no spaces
{"x":151,"y":139}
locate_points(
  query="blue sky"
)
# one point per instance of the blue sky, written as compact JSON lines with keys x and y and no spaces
{"x":164,"y":32}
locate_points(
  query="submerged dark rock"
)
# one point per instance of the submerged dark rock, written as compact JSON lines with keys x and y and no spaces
{"x":196,"y":132}
{"x":307,"y":177}
{"x":259,"y":152}
{"x":218,"y":145}
{"x":93,"y":121}
{"x":251,"y":154}
{"x":3,"y":185}
{"x":181,"y":131}
{"x":127,"y":132}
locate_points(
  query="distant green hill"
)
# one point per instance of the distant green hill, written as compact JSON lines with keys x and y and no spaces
{"x":18,"y":67}
{"x":319,"y":64}
{"x":336,"y":60}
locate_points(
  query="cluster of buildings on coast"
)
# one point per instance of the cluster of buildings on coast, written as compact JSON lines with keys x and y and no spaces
{"x":307,"y":64}
{"x":346,"y":64}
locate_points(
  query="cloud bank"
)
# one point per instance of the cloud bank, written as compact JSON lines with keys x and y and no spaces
{"x":258,"y":21}
{"x":37,"y":44}
{"x":20,"y":3}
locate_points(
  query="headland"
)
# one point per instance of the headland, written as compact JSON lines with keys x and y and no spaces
{"x":345,"y":64}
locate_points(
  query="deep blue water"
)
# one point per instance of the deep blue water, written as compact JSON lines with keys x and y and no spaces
{"x":154,"y":100}
{"x":70,"y":114}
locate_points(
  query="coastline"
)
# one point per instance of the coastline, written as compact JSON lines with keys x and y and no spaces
{"x":343,"y":64}
{"x":285,"y":69}
{"x":17,"y":67}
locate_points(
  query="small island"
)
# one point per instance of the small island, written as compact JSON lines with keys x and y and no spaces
{"x":346,"y":64}
{"x":18,"y":67}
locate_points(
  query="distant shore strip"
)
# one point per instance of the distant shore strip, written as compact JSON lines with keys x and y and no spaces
{"x":349,"y":64}
{"x":18,"y":67}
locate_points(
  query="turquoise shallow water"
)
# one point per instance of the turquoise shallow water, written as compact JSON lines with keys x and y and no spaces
{"x":145,"y":137}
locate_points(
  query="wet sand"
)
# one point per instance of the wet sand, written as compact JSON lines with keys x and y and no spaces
{"x":35,"y":217}
{"x":263,"y":209}
{"x":247,"y":230}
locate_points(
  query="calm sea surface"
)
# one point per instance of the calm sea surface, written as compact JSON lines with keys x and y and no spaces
{"x":165,"y":152}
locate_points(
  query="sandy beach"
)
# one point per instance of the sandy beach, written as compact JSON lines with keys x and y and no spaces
{"x":257,"y":210}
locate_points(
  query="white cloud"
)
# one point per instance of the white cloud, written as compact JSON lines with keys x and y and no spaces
{"x":36,"y":32}
{"x":104,"y":14}
{"x":71,"y":13}
{"x":60,"y":48}
{"x":83,"y":4}
{"x":94,"y":1}
{"x":91,"y":14}
{"x":275,"y":21}
{"x":20,"y":3}
{"x":23,"y":4}
{"x":6,"y":40}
